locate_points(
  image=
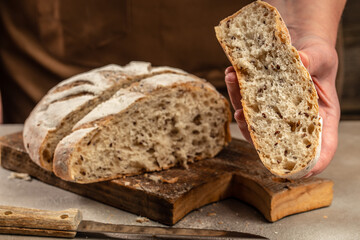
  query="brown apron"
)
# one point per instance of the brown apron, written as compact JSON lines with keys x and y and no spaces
{"x":46,"y":41}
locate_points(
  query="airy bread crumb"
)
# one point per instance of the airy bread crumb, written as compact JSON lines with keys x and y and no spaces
{"x":160,"y":122}
{"x":278,"y":96}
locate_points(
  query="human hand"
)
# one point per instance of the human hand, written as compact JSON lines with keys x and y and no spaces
{"x":320,"y":58}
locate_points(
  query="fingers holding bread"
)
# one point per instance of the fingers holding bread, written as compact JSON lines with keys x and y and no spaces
{"x":279,"y":100}
{"x":233,"y":88}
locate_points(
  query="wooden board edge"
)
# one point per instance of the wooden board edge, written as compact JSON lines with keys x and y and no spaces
{"x":248,"y":190}
{"x":201,"y":196}
{"x":291,"y":200}
{"x":301,"y":199}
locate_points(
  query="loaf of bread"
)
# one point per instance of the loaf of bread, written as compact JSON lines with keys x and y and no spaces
{"x":145,"y":119}
{"x":69,"y":101}
{"x":152,"y":125}
{"x":278,"y":96}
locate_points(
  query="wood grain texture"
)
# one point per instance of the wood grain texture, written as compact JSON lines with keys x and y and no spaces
{"x":25,"y":221}
{"x":234,"y":172}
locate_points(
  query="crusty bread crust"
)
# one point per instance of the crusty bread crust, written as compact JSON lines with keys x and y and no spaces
{"x":63,"y":153}
{"x":282,"y":33}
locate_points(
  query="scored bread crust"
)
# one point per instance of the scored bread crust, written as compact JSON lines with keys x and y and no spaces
{"x":283,"y":34}
{"x":73,"y":98}
{"x":136,"y":93}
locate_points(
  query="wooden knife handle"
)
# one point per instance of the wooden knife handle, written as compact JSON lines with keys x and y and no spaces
{"x":27,"y":221}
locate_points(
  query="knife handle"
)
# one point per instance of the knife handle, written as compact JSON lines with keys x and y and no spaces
{"x":27,"y":221}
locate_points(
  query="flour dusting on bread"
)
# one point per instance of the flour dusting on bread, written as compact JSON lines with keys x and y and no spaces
{"x":69,"y":101}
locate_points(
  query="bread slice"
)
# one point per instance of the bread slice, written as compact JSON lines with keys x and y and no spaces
{"x":278,"y":96}
{"x":69,"y":101}
{"x":154,"y":124}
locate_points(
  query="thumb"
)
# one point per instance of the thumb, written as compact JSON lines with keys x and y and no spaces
{"x":319,"y":62}
{"x":240,"y":119}
{"x":304,"y":59}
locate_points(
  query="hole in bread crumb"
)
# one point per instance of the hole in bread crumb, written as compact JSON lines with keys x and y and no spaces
{"x":286,"y":152}
{"x":289,"y":165}
{"x":82,"y":172}
{"x":277,"y":111}
{"x":151,"y":150}
{"x":292,"y":126}
{"x":213,"y":100}
{"x":297,"y":101}
{"x":311,"y":128}
{"x":47,"y":156}
{"x":174,"y":132}
{"x":255,"y":107}
{"x":309,"y":105}
{"x":306,"y":142}
{"x":197,"y":119}
{"x":195,"y":132}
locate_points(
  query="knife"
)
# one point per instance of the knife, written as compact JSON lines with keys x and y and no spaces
{"x":66,"y":223}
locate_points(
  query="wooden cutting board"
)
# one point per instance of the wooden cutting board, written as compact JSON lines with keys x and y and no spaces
{"x":169,"y":195}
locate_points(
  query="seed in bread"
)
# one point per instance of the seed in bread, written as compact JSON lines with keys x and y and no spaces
{"x":278,"y":96}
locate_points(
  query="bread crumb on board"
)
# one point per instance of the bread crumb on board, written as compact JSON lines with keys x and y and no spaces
{"x":142,"y":219}
{"x":160,"y":179}
{"x":22,"y":176}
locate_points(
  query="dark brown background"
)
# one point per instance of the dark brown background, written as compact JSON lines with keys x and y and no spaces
{"x":74,"y":38}
{"x":350,"y":97}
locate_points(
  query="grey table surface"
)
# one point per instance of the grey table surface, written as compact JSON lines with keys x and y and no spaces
{"x":339,"y":221}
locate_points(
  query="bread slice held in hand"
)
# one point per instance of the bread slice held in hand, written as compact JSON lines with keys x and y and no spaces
{"x":278,"y":96}
{"x":155,"y":124}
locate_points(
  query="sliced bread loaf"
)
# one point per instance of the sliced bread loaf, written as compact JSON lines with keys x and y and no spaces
{"x":154,"y":124}
{"x":69,"y":101}
{"x":278,"y":96}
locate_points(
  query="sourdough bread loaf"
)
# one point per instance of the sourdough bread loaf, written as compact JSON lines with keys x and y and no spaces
{"x":278,"y":96}
{"x":69,"y":101}
{"x":117,"y":121}
{"x":155,"y":124}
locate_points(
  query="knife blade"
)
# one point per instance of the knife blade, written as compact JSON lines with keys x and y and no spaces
{"x":161,"y":232}
{"x":66,"y":223}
